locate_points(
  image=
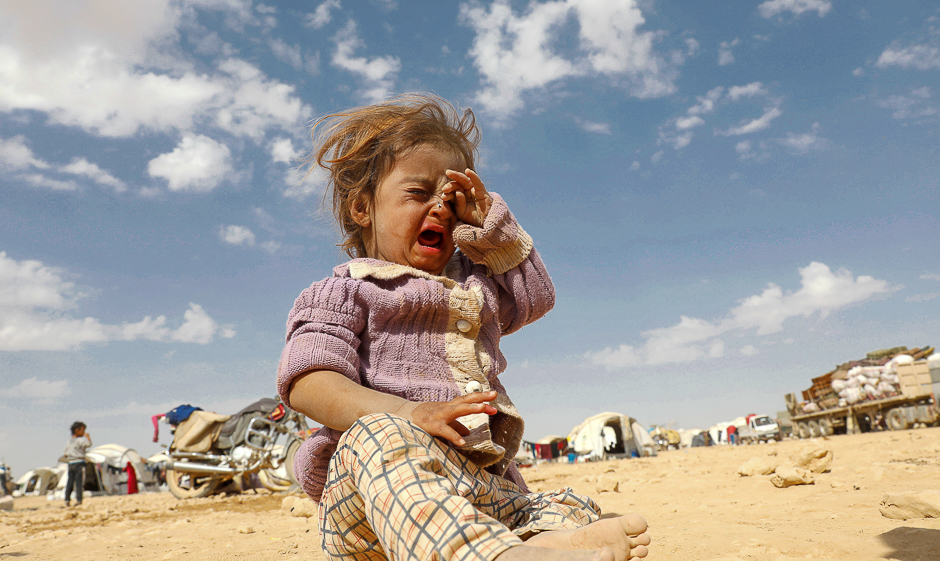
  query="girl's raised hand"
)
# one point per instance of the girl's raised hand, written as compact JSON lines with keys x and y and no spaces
{"x":471,"y":202}
{"x":439,"y":418}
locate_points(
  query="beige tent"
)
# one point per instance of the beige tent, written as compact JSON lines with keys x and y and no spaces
{"x":610,"y":435}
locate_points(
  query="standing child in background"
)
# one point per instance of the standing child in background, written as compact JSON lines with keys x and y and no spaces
{"x":75,"y":456}
{"x":397,"y":355}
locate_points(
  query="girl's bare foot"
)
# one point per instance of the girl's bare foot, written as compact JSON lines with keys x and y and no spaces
{"x":624,"y":536}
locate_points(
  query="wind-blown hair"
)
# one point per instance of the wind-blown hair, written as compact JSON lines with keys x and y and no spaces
{"x":359,"y":147}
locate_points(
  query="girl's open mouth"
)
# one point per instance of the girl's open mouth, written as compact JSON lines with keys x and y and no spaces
{"x":430,"y":238}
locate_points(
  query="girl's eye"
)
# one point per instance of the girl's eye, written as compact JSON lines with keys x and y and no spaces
{"x":420,"y":193}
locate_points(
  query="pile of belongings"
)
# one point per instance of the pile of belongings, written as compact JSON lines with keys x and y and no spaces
{"x":869,"y":382}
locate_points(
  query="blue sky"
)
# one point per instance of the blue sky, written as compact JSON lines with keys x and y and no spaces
{"x":731,"y":197}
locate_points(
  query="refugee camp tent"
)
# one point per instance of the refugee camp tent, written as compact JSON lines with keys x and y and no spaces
{"x":610,"y":435}
{"x":112,"y":469}
{"x":687,"y":437}
{"x":38,"y":481}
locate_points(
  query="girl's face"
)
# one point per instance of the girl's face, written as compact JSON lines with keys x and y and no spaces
{"x":406,"y":222}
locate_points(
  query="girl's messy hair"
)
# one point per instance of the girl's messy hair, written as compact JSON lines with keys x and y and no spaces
{"x":77,"y":425}
{"x":359,"y":147}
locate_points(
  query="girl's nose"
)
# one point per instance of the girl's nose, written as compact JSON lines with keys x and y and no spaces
{"x":440,"y":207}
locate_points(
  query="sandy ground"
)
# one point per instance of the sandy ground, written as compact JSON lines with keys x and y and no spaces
{"x":697,"y":505}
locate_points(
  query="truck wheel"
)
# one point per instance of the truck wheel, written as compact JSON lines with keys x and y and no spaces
{"x":825,"y":427}
{"x":813,"y":427}
{"x":802,"y":430}
{"x":896,"y":420}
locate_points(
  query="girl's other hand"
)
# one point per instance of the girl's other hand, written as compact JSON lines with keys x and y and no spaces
{"x":439,"y":418}
{"x":467,"y":193}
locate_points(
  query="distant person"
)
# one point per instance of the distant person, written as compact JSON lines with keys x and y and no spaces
{"x":75,"y":456}
{"x":397,"y":354}
{"x":732,"y":435}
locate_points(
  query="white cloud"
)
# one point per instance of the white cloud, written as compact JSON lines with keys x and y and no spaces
{"x":81,"y":166}
{"x":289,"y":54}
{"x":682,"y":135}
{"x":378,"y":74}
{"x":620,"y":357}
{"x":112,"y":68}
{"x":806,"y":142}
{"x":237,"y":235}
{"x":197,"y":326}
{"x":771,"y":8}
{"x":683,"y":123}
{"x":754,"y":88}
{"x":922,"y":57}
{"x":635,"y":165}
{"x":270,"y":246}
{"x":36,"y":305}
{"x":749,"y":350}
{"x":918,"y":298}
{"x":930,"y":276}
{"x":754,"y":125}
{"x":516,"y":54}
{"x":198,"y":163}
{"x":590,"y":126}
{"x":725,"y":56}
{"x":692,"y":46}
{"x":858,"y":71}
{"x":282,"y":151}
{"x":303,"y":183}
{"x":16,"y":155}
{"x":821,"y":293}
{"x":39,"y":180}
{"x":322,"y":15}
{"x":917,"y":105}
{"x":36,"y":389}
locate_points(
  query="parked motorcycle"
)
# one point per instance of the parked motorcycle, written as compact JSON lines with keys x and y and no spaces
{"x":261,"y":439}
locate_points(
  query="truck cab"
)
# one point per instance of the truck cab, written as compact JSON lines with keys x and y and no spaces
{"x":765,"y":427}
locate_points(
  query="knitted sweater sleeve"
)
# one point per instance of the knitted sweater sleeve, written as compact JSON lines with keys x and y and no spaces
{"x":526,"y":292}
{"x":323,"y":333}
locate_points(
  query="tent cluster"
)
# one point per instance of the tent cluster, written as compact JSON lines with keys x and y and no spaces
{"x":599,"y":437}
{"x":110,"y":469}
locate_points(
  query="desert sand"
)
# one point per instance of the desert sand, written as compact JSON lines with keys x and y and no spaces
{"x":697,"y":505}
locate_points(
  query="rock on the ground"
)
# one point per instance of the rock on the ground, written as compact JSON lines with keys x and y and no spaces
{"x":6,"y":503}
{"x":786,"y":476}
{"x":759,"y":465}
{"x":299,"y":506}
{"x":913,"y":504}
{"x":815,"y":458}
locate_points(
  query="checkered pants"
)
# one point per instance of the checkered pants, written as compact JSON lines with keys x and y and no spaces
{"x":396,"y":492}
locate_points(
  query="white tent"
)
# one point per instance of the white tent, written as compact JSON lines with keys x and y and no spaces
{"x":39,"y":481}
{"x":610,"y":435}
{"x":106,"y":471}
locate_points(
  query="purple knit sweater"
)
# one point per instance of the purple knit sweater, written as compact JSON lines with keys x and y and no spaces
{"x":423,"y":337}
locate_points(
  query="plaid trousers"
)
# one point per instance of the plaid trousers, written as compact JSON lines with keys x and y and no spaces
{"x":395,"y":492}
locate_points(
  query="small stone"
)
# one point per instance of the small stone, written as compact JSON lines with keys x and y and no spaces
{"x":817,"y":459}
{"x":912,"y":504}
{"x":303,"y":507}
{"x":787,"y":476}
{"x":758,"y":466}
{"x":246,"y":530}
{"x":6,"y":503}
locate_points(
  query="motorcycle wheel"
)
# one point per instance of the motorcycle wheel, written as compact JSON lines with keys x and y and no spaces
{"x":272,"y":481}
{"x":185,"y":485}
{"x":289,"y":460}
